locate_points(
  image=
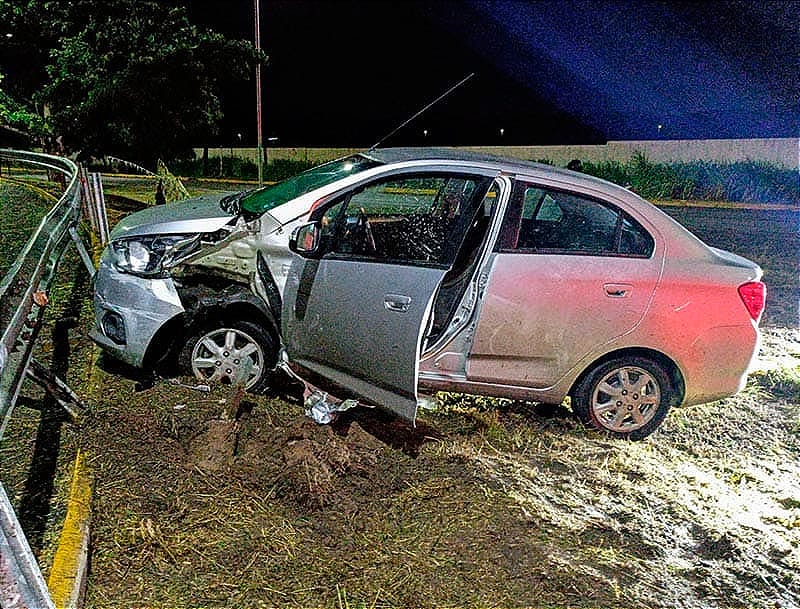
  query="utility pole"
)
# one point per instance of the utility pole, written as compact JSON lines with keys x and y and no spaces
{"x":258,"y":98}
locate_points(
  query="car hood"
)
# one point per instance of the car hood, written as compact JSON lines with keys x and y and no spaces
{"x":200,"y":215}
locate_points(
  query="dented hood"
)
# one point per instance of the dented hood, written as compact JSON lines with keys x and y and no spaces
{"x":199,"y":215}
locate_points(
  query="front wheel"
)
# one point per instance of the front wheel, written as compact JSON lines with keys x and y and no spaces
{"x":218,"y":353}
{"x":625,"y":397}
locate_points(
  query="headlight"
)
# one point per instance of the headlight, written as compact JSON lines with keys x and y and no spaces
{"x":142,"y":255}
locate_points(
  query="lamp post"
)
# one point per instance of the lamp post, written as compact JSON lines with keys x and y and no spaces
{"x":258,"y":97}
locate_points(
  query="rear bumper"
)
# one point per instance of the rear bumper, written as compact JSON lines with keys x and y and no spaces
{"x":720,"y":359}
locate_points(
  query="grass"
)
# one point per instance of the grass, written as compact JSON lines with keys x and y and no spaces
{"x":747,"y":181}
{"x":481,"y":505}
{"x":21,"y":211}
{"x":230,"y":167}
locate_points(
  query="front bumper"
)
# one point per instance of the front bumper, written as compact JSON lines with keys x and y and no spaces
{"x":129,"y":311}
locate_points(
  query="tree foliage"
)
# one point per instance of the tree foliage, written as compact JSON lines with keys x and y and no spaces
{"x":131,"y":78}
{"x":17,"y":117}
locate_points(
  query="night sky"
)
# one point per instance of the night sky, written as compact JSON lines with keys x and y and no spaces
{"x":345,"y":73}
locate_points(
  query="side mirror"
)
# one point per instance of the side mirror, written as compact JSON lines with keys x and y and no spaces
{"x":305,"y":240}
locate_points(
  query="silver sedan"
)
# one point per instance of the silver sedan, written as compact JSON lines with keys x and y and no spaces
{"x":466,"y":273}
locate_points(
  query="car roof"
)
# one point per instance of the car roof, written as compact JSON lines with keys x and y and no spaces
{"x":504,"y":164}
{"x":398,"y":155}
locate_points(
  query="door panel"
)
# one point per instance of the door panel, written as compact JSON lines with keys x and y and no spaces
{"x":363,"y":324}
{"x":356,"y":316}
{"x":573,"y":272}
{"x":543,"y":313}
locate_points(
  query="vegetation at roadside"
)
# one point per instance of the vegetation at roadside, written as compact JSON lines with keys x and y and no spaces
{"x":21,"y":211}
{"x":238,"y":169}
{"x":17,"y":116}
{"x":746,"y":181}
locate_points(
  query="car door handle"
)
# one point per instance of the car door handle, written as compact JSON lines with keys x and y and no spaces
{"x":617,"y":290}
{"x":397,"y":302}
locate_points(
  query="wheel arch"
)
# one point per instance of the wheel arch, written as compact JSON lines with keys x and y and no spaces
{"x":204,"y":306}
{"x":672,"y":369}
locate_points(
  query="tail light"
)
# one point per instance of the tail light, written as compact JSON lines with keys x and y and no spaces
{"x":754,"y":297}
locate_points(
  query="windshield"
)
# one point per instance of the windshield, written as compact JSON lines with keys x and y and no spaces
{"x":264,"y":199}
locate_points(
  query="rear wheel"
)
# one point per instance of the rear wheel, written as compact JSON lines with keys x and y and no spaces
{"x":625,"y":397}
{"x":218,"y":353}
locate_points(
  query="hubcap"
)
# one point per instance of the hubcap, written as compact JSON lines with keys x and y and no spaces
{"x":219,"y":355}
{"x":626,"y":399}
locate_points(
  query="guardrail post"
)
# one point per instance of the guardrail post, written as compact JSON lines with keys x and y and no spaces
{"x":86,"y":201}
{"x":82,"y":251}
{"x":100,"y":208}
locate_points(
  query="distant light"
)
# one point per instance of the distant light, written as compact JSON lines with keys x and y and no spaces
{"x":348,"y":166}
{"x":9,"y":35}
{"x":425,"y":133}
{"x":502,"y":131}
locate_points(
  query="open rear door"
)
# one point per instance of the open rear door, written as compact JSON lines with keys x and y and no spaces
{"x":355,"y":313}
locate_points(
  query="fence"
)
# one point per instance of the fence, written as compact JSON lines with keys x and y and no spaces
{"x":23,"y":298}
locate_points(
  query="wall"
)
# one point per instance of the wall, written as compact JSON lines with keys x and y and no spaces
{"x":784,"y":152}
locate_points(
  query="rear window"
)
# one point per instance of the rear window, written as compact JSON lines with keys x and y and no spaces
{"x":264,"y":199}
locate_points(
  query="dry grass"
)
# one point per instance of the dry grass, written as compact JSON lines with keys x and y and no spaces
{"x":478,"y":506}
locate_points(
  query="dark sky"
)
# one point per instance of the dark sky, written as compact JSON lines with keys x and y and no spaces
{"x":345,"y":73}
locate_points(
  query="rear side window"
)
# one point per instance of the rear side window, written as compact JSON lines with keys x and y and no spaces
{"x":542,"y":220}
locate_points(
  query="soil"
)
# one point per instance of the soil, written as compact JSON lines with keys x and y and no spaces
{"x":482,"y":504}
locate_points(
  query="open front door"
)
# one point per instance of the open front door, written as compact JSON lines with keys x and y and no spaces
{"x":355,"y":314}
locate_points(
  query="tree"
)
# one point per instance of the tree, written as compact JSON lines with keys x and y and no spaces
{"x":131,"y":78}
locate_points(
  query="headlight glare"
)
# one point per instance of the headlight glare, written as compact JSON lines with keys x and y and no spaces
{"x":138,"y":256}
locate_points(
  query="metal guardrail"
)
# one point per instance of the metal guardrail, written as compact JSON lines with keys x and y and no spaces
{"x":23,"y":297}
{"x":24,"y":288}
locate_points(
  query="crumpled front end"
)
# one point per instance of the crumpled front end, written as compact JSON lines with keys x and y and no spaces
{"x":141,"y":285}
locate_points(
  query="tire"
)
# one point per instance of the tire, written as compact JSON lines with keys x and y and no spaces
{"x":625,"y":397}
{"x":216,"y":352}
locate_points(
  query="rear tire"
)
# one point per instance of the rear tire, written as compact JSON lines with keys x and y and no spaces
{"x":625,"y":397}
{"x":216,"y":352}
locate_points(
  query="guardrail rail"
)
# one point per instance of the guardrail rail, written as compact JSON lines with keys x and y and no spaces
{"x":23,"y":298}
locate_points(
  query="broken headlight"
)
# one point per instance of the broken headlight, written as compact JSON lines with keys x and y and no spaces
{"x":145,"y":255}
